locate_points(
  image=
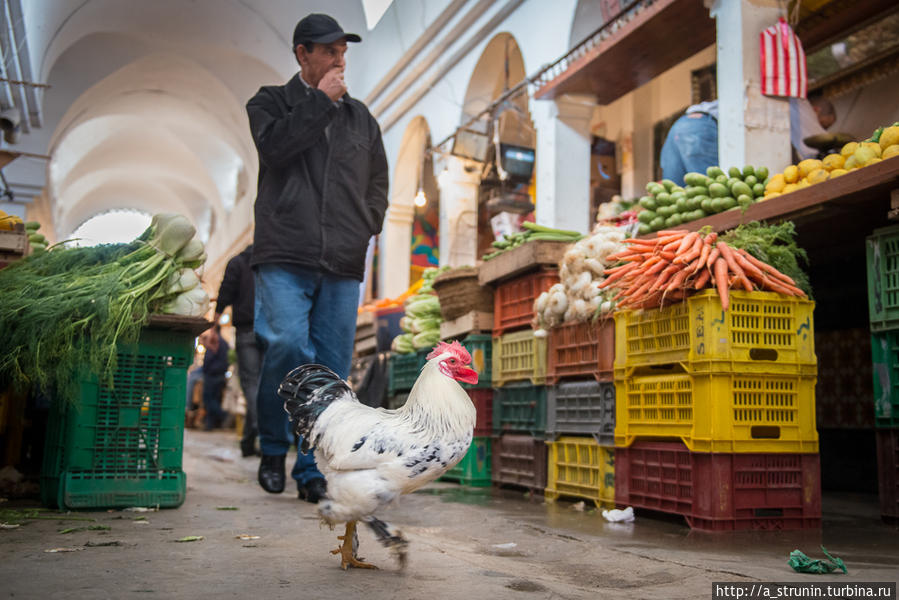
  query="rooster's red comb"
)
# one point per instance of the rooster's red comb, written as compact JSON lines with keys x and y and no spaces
{"x":455,"y":348}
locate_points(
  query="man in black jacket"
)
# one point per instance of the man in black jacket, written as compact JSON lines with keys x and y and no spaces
{"x":236,"y":291}
{"x":322,"y":195}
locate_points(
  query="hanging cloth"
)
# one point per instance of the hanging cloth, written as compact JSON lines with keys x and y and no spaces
{"x":782,"y":60}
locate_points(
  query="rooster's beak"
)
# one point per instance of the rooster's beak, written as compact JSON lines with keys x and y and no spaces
{"x":466,"y":375}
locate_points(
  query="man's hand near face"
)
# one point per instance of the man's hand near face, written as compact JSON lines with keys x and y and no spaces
{"x":332,"y":84}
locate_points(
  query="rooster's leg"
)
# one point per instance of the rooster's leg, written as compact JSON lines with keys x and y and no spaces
{"x":347,"y":551}
{"x":390,"y":537}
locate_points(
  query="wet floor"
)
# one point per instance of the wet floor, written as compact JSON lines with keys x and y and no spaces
{"x":465,"y":543}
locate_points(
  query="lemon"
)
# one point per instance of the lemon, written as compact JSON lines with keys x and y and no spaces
{"x":5,"y":221}
{"x":775,"y":184}
{"x":889,"y":137}
{"x":874,"y":160}
{"x":891,"y":151}
{"x":849,"y":149}
{"x":790,"y":187}
{"x":862,"y":155}
{"x":851,"y":163}
{"x":817,"y":176}
{"x":837,"y":173}
{"x":808,"y":165}
{"x":874,"y":146}
{"x":770,"y":195}
{"x":803,"y":183}
{"x":834,"y":161}
{"x":791,"y":174}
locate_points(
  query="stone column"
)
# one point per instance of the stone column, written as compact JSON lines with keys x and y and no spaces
{"x":395,"y":244}
{"x":752,"y":129}
{"x":563,"y":161}
{"x":459,"y":212}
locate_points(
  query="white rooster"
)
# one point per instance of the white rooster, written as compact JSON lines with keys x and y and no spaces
{"x":370,"y":456}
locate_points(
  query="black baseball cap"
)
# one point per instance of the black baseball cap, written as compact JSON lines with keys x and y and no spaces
{"x":320,"y":29}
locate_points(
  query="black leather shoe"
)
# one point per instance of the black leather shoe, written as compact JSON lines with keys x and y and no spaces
{"x":271,"y":473}
{"x":313,"y":491}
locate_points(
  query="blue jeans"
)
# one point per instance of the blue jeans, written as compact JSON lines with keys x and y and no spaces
{"x":691,"y":145}
{"x":302,"y":316}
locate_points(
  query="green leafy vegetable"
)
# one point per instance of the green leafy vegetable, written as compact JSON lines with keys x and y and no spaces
{"x":62,"y":309}
{"x":774,"y":245}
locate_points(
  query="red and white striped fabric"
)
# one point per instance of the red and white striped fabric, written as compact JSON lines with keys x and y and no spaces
{"x":782,"y":62}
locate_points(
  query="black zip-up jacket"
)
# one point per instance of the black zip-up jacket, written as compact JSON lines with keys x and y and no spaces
{"x":238,"y":290}
{"x":319,"y":198}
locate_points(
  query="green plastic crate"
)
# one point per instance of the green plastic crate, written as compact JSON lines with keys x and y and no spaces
{"x":403,"y":370}
{"x":474,"y":468}
{"x":521,"y":408}
{"x":882,"y":260}
{"x":885,"y":367}
{"x":480,"y":346}
{"x":122,"y":446}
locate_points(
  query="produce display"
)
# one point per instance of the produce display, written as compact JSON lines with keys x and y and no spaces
{"x":883,"y":144}
{"x":8,"y":222}
{"x":532,"y":232}
{"x":669,"y":205}
{"x":665,"y":269}
{"x":63,"y":307}
{"x":36,"y":240}
{"x":421,"y":323}
{"x":578,"y":296}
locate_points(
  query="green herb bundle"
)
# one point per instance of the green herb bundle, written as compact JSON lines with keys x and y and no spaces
{"x":62,"y":309}
{"x":774,"y":245}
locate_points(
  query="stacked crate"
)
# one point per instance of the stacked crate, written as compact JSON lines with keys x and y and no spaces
{"x":735,"y":389}
{"x":474,"y":468}
{"x":882,"y":251}
{"x":580,"y":422}
{"x":519,"y":377}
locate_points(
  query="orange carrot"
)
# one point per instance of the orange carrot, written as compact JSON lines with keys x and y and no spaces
{"x":618,"y":274}
{"x":768,"y":268}
{"x":703,"y":257}
{"x":671,"y":237}
{"x":703,"y":278}
{"x":676,"y":281}
{"x":664,"y":277}
{"x":721,"y":282}
{"x":711,"y":238}
{"x":687,"y":242}
{"x":692,"y":253}
{"x":713,"y":258}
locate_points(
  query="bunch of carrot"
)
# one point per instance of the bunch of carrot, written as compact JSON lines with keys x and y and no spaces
{"x":663,"y":270}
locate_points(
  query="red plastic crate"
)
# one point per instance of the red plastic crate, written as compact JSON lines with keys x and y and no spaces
{"x":513,"y":301}
{"x":721,"y":491}
{"x":483,"y":404}
{"x":519,"y":460}
{"x":578,"y":350}
{"x":888,"y":473}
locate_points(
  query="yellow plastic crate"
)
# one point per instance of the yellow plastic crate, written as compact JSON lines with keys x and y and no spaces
{"x":719,"y":412}
{"x":579,"y":467}
{"x":519,"y":356}
{"x":761,"y":332}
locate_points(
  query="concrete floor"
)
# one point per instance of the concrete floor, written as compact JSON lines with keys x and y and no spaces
{"x":465,"y":543}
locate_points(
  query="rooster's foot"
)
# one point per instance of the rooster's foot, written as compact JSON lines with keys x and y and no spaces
{"x":347,"y":551}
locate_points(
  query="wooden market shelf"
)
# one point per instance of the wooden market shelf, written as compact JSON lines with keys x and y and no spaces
{"x":526,"y":257}
{"x":658,"y":35}
{"x":859,"y":199}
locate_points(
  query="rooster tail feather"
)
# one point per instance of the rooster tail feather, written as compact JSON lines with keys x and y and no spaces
{"x":307,"y":391}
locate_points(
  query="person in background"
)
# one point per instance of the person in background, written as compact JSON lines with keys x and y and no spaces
{"x":237,"y":291}
{"x":807,"y":118}
{"x":692,"y":142}
{"x":321,"y":196}
{"x":215,"y":365}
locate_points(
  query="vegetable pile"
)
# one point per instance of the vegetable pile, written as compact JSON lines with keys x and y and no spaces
{"x":663,"y":270}
{"x":669,"y":205}
{"x":421,"y":323}
{"x":578,"y":296}
{"x":532,"y":232}
{"x":62,"y":309}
